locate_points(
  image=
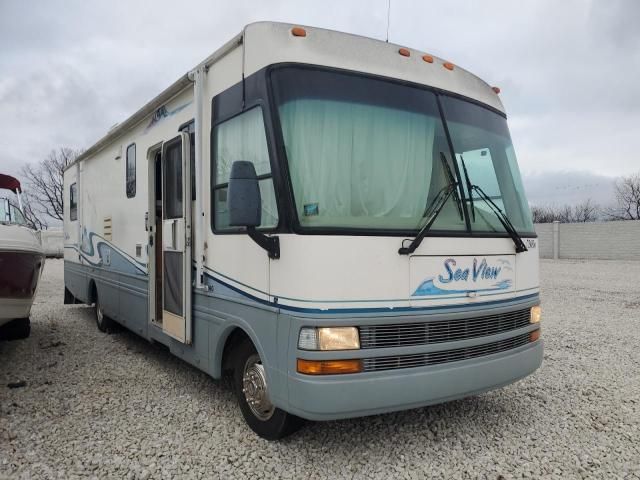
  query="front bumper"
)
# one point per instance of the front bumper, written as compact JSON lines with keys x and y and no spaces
{"x":344,"y":396}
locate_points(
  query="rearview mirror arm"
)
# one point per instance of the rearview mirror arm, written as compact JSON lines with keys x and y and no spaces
{"x":270,"y":244}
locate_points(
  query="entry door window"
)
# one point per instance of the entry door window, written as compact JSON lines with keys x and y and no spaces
{"x":173,"y":207}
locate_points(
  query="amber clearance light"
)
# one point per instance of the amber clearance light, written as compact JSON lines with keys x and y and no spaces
{"x":328,"y":367}
{"x":298,"y":32}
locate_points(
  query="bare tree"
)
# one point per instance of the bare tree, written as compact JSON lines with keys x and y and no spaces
{"x":627,"y":191}
{"x":32,"y":216}
{"x":44,"y":184}
{"x":542,"y":214}
{"x":564,"y":214}
{"x":586,"y":211}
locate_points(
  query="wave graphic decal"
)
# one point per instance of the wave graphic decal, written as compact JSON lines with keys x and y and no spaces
{"x":99,"y":252}
{"x":428,"y":288}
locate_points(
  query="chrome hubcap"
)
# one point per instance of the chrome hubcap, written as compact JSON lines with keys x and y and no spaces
{"x":254,"y":387}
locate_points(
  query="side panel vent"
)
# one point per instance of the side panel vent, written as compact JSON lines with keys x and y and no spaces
{"x":107,"y":228}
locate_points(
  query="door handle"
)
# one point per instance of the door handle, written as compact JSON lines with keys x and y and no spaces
{"x":173,"y":235}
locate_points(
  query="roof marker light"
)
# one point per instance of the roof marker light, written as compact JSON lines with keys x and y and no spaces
{"x":404,"y":52}
{"x":448,"y":65}
{"x":496,"y":89}
{"x":298,"y":32}
{"x":427,"y":58}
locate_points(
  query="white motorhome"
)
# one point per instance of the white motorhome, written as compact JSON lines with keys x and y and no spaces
{"x":337,"y":221}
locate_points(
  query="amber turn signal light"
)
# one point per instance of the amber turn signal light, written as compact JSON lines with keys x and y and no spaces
{"x":535,"y":335}
{"x":404,"y":52}
{"x":427,"y":58}
{"x":448,"y":65}
{"x":328,"y":367}
{"x":298,"y":32}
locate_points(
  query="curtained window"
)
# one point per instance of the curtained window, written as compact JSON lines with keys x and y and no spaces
{"x":362,"y":153}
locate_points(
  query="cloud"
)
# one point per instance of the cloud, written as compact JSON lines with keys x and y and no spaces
{"x":568,"y":70}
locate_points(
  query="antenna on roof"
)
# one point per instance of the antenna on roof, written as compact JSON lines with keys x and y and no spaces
{"x":388,"y":16}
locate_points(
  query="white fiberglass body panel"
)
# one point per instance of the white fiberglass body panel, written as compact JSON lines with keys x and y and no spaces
{"x":268,"y":43}
{"x":347,"y":272}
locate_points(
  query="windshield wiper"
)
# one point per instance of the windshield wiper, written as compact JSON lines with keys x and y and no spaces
{"x":504,"y":220}
{"x":451,"y":181}
{"x":434,"y":210}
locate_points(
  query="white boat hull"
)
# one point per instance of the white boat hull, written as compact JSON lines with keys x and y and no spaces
{"x":21,"y":264}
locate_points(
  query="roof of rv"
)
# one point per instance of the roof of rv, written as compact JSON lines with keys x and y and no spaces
{"x":268,"y":43}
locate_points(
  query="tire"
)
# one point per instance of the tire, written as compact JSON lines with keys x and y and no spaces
{"x":16,"y":329}
{"x":249,"y":381}
{"x":105,"y":324}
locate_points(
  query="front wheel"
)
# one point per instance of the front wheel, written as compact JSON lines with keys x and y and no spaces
{"x":252,"y":392}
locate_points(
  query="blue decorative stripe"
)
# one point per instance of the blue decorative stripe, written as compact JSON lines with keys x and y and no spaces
{"x":429,"y":288}
{"x":382,"y":300}
{"x":367,"y":309}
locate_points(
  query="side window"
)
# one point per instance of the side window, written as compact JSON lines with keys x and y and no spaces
{"x":16,"y":215}
{"x":131,"y":171}
{"x":73,"y":202}
{"x":242,"y":138}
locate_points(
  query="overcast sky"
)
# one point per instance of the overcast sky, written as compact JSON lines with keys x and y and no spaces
{"x":569,"y":70}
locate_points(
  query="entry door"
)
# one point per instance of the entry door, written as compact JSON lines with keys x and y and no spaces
{"x":176,"y":238}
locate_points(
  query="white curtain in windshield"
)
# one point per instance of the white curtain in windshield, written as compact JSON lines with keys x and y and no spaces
{"x":355,"y":164}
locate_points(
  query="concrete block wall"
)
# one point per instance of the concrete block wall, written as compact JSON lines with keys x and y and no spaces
{"x":545,"y":239}
{"x":618,"y":240}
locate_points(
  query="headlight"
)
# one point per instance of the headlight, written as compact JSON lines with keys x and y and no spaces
{"x":536,"y":314}
{"x":329,"y":338}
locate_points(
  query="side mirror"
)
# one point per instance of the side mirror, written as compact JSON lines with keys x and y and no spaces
{"x":245,"y":205}
{"x":243,"y":197}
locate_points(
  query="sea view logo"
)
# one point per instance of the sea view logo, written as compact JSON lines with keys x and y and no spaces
{"x":457,"y":278}
{"x":482,"y":271}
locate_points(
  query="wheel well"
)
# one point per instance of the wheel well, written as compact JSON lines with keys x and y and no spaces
{"x":234,"y":338}
{"x":93,"y":293}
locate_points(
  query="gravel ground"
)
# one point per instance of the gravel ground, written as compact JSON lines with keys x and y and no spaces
{"x":116,"y":406}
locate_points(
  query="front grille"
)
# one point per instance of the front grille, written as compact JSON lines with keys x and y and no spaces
{"x":404,"y":335}
{"x":443,"y":356}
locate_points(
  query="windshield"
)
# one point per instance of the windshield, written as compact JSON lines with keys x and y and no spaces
{"x":365,"y":153}
{"x":481,"y":140}
{"x":9,"y":213}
